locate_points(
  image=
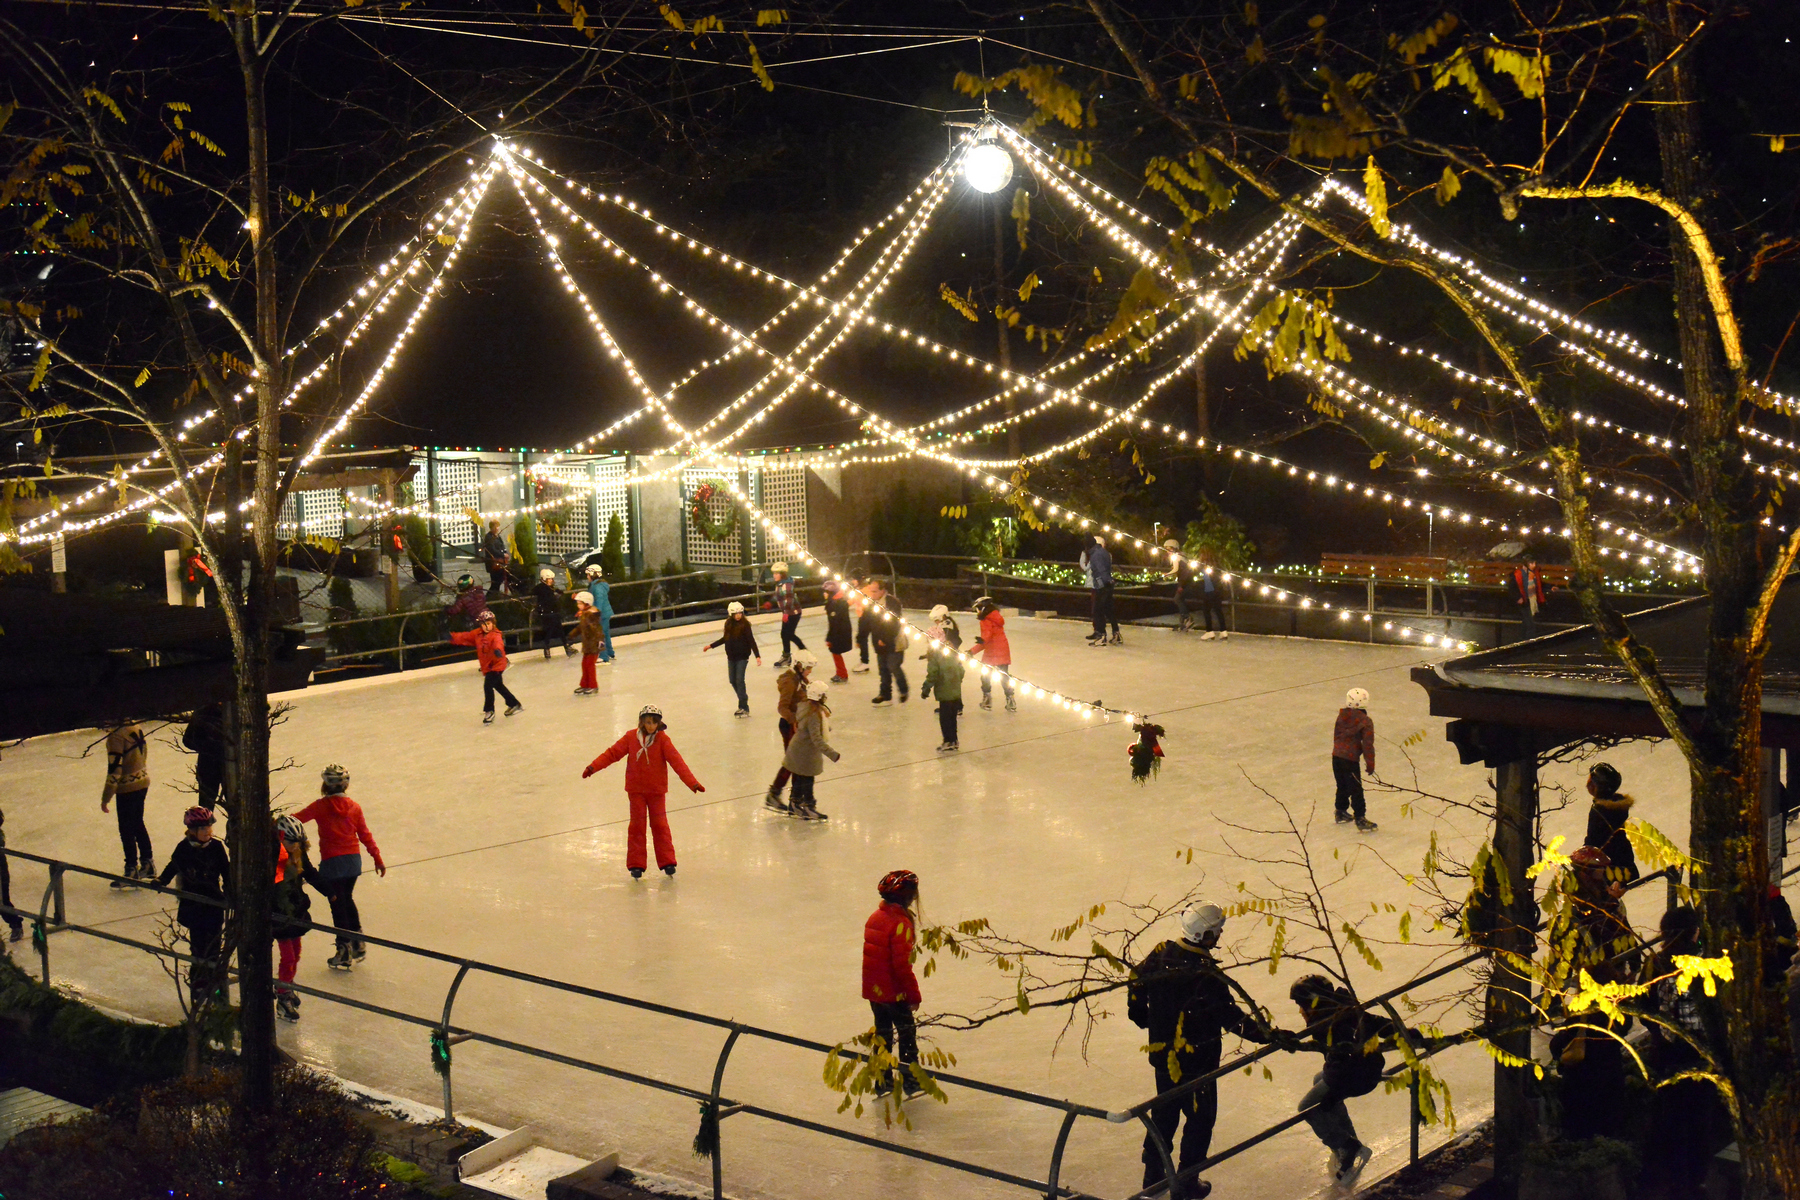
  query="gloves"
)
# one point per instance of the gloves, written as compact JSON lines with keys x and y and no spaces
{"x":699,"y":787}
{"x":587,"y":772}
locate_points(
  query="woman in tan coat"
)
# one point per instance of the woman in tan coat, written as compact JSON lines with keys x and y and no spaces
{"x":127,"y":781}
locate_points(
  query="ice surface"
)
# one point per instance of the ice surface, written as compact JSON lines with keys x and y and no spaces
{"x":499,"y":851}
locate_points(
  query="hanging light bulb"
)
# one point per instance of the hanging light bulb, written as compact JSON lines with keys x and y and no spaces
{"x":987,"y":167}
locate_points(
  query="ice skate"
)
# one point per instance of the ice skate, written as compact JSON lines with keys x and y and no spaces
{"x":119,"y":885}
{"x":546,"y":654}
{"x":568,"y":651}
{"x":637,"y":872}
{"x":948,"y":748}
{"x":807,"y":812}
{"x":669,"y":870}
{"x":742,"y":712}
{"x":860,"y":669}
{"x":840,"y":679}
{"x":880,"y":700}
{"x":1365,"y":826}
{"x":1011,"y":705}
{"x":1344,"y":818}
{"x":903,"y":697}
{"x":514,"y":707}
{"x":358,"y":951}
{"x":987,"y":701}
{"x":287,"y":1006}
{"x":487,"y":718}
{"x":1350,"y":1164}
{"x":341,"y":960}
{"x":783,"y":663}
{"x":1223,"y":634}
{"x":1117,"y":640}
{"x":772,"y":799}
{"x":1208,"y":636}
{"x":18,"y":934}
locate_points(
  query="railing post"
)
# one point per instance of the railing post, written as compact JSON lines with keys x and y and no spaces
{"x":718,"y":1154}
{"x":40,"y":934}
{"x":444,"y":1032}
{"x":1413,"y":1117}
{"x":1056,"y":1156}
{"x":400,"y":645}
{"x":56,"y":887}
{"x":1162,"y":1152}
{"x":1371,"y":620}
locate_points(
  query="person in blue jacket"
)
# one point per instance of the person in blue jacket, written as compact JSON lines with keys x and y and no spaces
{"x":1098,"y":564}
{"x":601,"y":591}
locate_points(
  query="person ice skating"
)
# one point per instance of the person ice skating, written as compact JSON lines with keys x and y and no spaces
{"x":490,"y":653}
{"x":944,"y":679}
{"x":290,"y":909}
{"x":342,"y":833}
{"x":1352,"y":738}
{"x":648,"y":753}
{"x":996,"y":651}
{"x":587,"y":630}
{"x":1606,"y":822}
{"x":127,"y":783}
{"x":205,"y":870}
{"x":887,"y":633}
{"x":470,"y":603}
{"x":1180,"y":996}
{"x":940,"y":630}
{"x":889,"y":984}
{"x":205,"y":736}
{"x":787,"y":600}
{"x":547,"y":611}
{"x":14,"y":922}
{"x":498,"y":556}
{"x":601,"y":591}
{"x":810,"y":747}
{"x":1351,"y":1040}
{"x":1183,"y":575}
{"x":1212,"y":600}
{"x":859,"y":608}
{"x":837,"y":629}
{"x":790,"y":686}
{"x":739,"y":641}
{"x":1097,"y":561}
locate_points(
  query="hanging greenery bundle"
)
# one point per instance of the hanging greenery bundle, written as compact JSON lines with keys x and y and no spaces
{"x":713,"y":531}
{"x":553,"y":499}
{"x":1145,"y":753}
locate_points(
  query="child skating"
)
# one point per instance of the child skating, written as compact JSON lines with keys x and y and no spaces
{"x":787,"y":599}
{"x":601,"y":592}
{"x":587,"y":629}
{"x":790,"y":685}
{"x":290,"y":909}
{"x":342,"y":834}
{"x":859,"y":611}
{"x":490,"y":653}
{"x":837,"y":629}
{"x":205,"y":870}
{"x":888,"y":982}
{"x":739,"y":641}
{"x":807,"y":752}
{"x":944,"y":679}
{"x":648,"y":753}
{"x":940,"y":630}
{"x":995,"y":650}
{"x":1353,"y":738}
{"x":547,"y":611}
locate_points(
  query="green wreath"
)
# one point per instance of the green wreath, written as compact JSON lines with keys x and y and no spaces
{"x":713,"y":531}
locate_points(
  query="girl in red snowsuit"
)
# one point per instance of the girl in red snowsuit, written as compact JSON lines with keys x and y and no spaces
{"x":648,"y":755}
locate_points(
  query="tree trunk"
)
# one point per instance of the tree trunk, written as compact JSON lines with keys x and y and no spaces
{"x":1515,"y":822}
{"x":1728,"y":834}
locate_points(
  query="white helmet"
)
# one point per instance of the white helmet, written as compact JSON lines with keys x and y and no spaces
{"x":546,"y":574}
{"x":583,"y":596}
{"x":1201,"y":920}
{"x":815,"y":691}
{"x":734,"y":609}
{"x":805,"y":660}
{"x":649,"y":710}
{"x":594,"y":571}
{"x":1357,"y":698}
{"x":779,"y":568}
{"x":1171,"y":544}
{"x":940,"y":612}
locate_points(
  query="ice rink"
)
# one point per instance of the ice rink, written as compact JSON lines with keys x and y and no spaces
{"x":498,"y":850}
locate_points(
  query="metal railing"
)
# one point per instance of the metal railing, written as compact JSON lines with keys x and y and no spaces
{"x":51,"y":917}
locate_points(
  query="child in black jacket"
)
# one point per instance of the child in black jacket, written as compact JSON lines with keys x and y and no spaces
{"x":205,"y":870}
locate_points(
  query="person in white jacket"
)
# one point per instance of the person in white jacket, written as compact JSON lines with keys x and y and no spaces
{"x":807,"y":753}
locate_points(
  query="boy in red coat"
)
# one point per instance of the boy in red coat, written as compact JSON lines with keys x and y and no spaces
{"x":490,"y":652}
{"x":887,"y":976}
{"x":1353,"y":737}
{"x":648,"y":755}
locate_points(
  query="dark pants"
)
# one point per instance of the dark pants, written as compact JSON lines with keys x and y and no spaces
{"x":550,"y":629}
{"x":1593,"y":1089}
{"x":803,"y":791}
{"x":893,"y":671}
{"x":1181,"y":604}
{"x":987,"y":682}
{"x":1103,"y":611}
{"x":947,"y":711}
{"x":783,"y":775}
{"x":862,"y":637}
{"x":790,"y":635}
{"x":132,"y":835}
{"x":496,"y":579}
{"x":13,"y":923}
{"x":1212,"y":606}
{"x":735,"y":669}
{"x":342,"y":895}
{"x":206,"y":972}
{"x":492,"y":682}
{"x":1200,"y":1108}
{"x":1330,"y":1120}
{"x":1348,"y":774}
{"x":894,"y":1025}
{"x":209,"y":782}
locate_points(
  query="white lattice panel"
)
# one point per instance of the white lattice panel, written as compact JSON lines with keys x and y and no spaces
{"x":783,"y":498}
{"x":701,"y":550}
{"x":318,"y":513}
{"x":573,"y":533}
{"x":611,"y":496}
{"x":456,"y":490}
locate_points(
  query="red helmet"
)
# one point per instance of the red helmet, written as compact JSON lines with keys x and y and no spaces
{"x":1591,"y":858}
{"x":198,"y":816}
{"x":896,"y":882}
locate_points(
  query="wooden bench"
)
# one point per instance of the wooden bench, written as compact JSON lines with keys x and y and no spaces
{"x":1394,"y":567}
{"x":1553,"y":575}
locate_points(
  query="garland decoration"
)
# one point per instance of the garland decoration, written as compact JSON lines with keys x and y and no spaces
{"x":713,"y":531}
{"x":1146,"y":755}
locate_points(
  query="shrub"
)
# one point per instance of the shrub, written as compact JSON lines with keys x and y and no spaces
{"x":87,"y":1051}
{"x":612,"y":550}
{"x":525,"y":560}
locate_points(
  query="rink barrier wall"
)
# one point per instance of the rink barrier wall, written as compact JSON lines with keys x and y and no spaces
{"x":51,"y":917}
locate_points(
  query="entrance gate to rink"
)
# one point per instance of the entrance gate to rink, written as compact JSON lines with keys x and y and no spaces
{"x":51,"y":917}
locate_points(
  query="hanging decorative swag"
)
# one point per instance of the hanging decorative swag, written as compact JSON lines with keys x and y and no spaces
{"x":714,"y":531}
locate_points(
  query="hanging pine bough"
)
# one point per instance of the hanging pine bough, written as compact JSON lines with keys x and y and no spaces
{"x":1146,"y":753}
{"x":554,"y":500}
{"x":713,"y":531}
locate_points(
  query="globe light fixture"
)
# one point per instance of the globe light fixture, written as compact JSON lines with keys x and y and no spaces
{"x":987,"y":167}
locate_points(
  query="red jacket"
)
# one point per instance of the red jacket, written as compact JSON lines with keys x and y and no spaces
{"x":490,"y":648}
{"x":995,"y":650}
{"x":1353,"y":736}
{"x":341,"y":827}
{"x":887,"y":956}
{"x":646,"y":767}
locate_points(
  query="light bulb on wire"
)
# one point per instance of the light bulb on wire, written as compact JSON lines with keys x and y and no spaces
{"x":987,"y":167}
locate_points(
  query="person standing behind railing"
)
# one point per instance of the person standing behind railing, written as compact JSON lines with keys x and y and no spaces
{"x":341,"y":830}
{"x":498,"y":556}
{"x":1181,"y":998}
{"x":127,"y":782}
{"x":205,"y":870}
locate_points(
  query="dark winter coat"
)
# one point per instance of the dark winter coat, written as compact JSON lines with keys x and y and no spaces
{"x":1351,"y":1042}
{"x":838,"y":637}
{"x":885,"y":634}
{"x":205,"y":870}
{"x":493,"y":548}
{"x":290,"y":908}
{"x":739,"y":640}
{"x":548,"y":608}
{"x":468,"y":604}
{"x":787,"y":599}
{"x":205,"y":736}
{"x":887,"y":974}
{"x":1180,"y":989}
{"x":1606,"y":829}
{"x":1354,"y":737}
